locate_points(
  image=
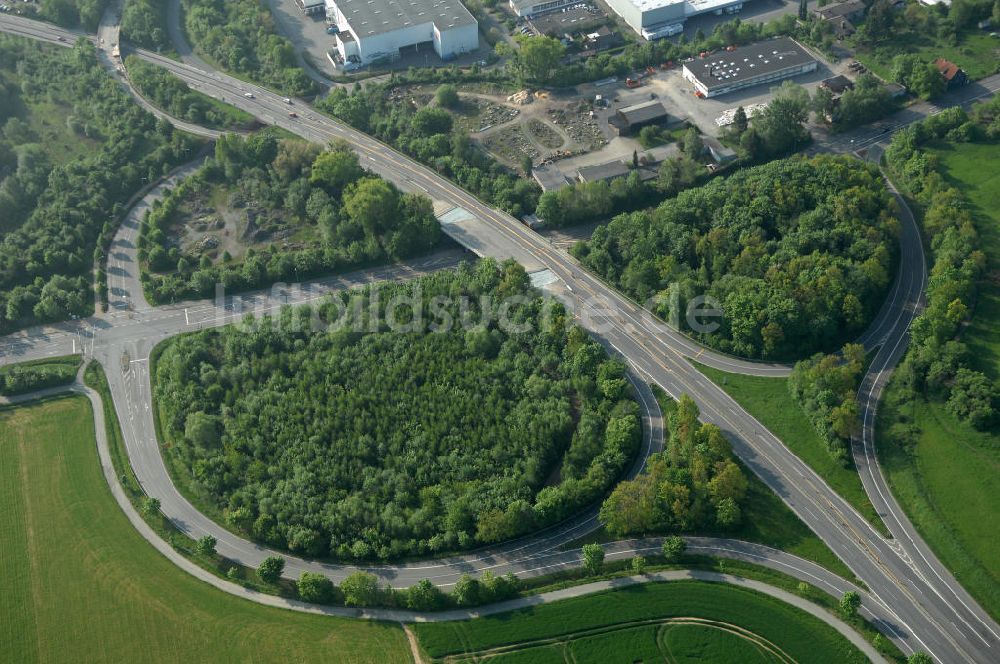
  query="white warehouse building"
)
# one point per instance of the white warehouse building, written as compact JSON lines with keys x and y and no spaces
{"x":663,"y":18}
{"x":371,"y":30}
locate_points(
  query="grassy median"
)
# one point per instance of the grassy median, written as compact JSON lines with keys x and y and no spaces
{"x":769,"y":400}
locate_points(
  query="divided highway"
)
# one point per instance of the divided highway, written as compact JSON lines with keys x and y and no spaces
{"x":920,"y":605}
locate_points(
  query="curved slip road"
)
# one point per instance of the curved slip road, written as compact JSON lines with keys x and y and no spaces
{"x":923,"y":600}
{"x":786,"y":563}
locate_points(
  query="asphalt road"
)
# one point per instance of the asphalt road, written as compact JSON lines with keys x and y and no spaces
{"x":926,"y":608}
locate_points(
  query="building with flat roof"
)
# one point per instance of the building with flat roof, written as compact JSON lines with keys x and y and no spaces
{"x":654,"y":19}
{"x":371,"y":30}
{"x":746,"y":66}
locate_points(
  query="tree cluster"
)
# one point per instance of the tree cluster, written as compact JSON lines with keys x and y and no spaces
{"x":359,"y":219}
{"x":241,"y":36}
{"x":938,"y":361}
{"x":537,"y":59}
{"x":362,"y":589}
{"x":429,"y":135}
{"x":986,"y":116}
{"x":30,"y":376}
{"x":144,"y":24}
{"x":592,"y":201}
{"x":73,"y":13}
{"x":887,"y":31}
{"x":694,"y":484}
{"x":866,"y":102}
{"x":59,"y":213}
{"x":920,"y":76}
{"x":174,"y":96}
{"x":825,"y":387}
{"x":798,"y":252}
{"x":370,"y":443}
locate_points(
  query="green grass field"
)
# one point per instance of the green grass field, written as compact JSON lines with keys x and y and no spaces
{"x":81,"y":585}
{"x":673,"y":643}
{"x":947,"y":481}
{"x":586,"y":625}
{"x":976,"y":52}
{"x":696,"y":644}
{"x":950,"y":477}
{"x":769,"y":400}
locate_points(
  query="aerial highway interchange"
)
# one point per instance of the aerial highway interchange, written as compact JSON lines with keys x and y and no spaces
{"x":911,"y":596}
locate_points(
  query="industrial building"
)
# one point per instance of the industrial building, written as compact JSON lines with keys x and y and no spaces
{"x":373,"y":30}
{"x":746,"y":66}
{"x":310,"y":7}
{"x":536,"y":7}
{"x":654,"y":19}
{"x":630,"y":119}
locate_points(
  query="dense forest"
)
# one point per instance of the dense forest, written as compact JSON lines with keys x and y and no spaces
{"x":825,"y":386}
{"x":429,"y":135}
{"x":695,"y":483}
{"x":349,"y":217}
{"x":937,"y":364}
{"x":241,"y":37}
{"x":365,"y":442}
{"x":166,"y":91}
{"x":60,"y":204}
{"x":144,"y":24}
{"x":73,"y":13}
{"x":798,"y":253}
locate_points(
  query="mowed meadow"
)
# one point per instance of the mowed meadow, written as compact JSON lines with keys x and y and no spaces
{"x":592,"y":620}
{"x":81,"y":585}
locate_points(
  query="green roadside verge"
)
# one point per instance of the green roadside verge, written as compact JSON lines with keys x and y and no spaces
{"x":767,"y":520}
{"x":944,"y":473}
{"x":804,"y":638}
{"x":772,"y":404}
{"x":95,"y":378}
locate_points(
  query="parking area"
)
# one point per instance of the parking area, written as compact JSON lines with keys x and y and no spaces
{"x":307,"y":33}
{"x":754,"y":11}
{"x":677,"y":95}
{"x":568,"y":21}
{"x":309,"y":36}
